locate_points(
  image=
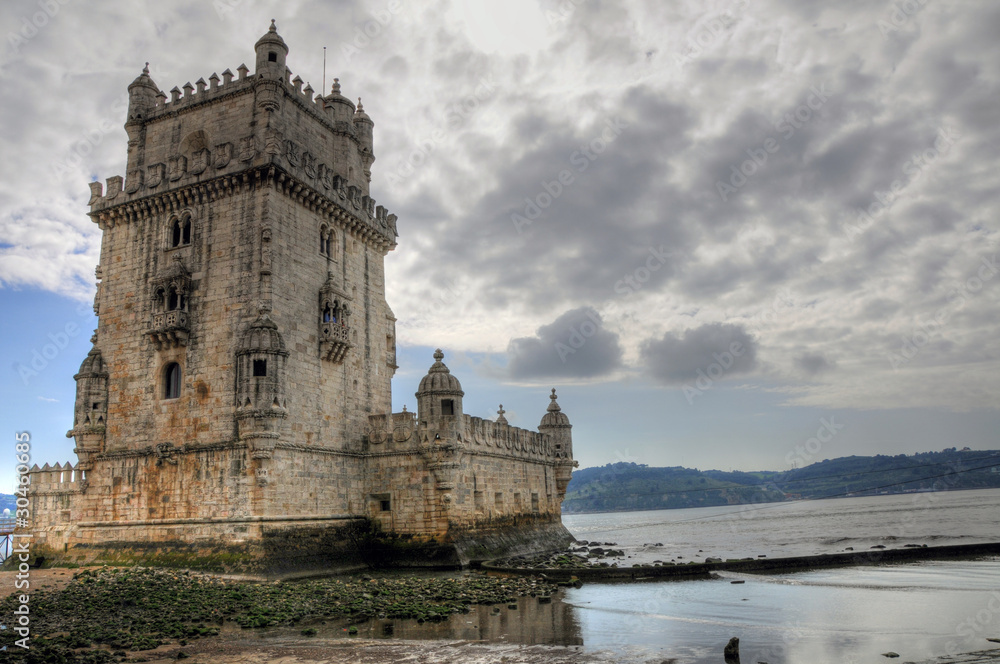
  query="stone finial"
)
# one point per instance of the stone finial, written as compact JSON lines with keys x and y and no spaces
{"x":145,"y":70}
{"x":361,"y":107}
{"x":404,"y":408}
{"x":273,"y":28}
{"x":553,"y":404}
{"x":500,"y":418}
{"x":335,"y":89}
{"x":438,"y":355}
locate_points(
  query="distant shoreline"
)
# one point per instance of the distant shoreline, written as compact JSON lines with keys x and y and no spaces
{"x":781,"y":502}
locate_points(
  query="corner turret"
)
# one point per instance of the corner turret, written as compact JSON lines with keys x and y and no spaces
{"x":555,"y":424}
{"x":341,"y":107}
{"x":363,"y":126}
{"x":142,"y":97}
{"x":271,"y":53}
{"x":91,"y":409}
{"x":439,"y":398}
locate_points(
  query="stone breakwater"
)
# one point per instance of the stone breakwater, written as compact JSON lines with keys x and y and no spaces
{"x":108,"y":614}
{"x":574,"y":564}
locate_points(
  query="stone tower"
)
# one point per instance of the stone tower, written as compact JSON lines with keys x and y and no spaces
{"x":238,"y":391}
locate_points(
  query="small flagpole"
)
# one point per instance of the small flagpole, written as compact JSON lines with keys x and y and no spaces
{"x":324,"y":70}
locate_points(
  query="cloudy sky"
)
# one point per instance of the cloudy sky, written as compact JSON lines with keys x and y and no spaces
{"x":718,"y":227}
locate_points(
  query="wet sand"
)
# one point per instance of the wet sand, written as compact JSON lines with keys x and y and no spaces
{"x":288,"y":647}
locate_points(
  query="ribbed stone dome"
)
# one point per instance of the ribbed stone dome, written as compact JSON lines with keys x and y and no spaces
{"x":554,"y":417}
{"x":263,"y":337}
{"x":271,"y":37}
{"x":92,"y":365}
{"x":439,"y":379}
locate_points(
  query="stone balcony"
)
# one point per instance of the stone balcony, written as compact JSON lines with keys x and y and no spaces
{"x":334,"y":341}
{"x":170,"y":329}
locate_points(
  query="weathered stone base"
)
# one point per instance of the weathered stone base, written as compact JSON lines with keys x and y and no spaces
{"x":288,"y":548}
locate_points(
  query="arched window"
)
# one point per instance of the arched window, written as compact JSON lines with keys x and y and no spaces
{"x":172,"y":381}
{"x":159,"y":300}
{"x":328,"y":314}
{"x":180,"y":232}
{"x":173,"y":300}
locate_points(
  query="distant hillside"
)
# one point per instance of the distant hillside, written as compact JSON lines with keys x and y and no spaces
{"x":628,"y":486}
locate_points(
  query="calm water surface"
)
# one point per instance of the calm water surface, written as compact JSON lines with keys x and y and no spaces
{"x":842,"y":616}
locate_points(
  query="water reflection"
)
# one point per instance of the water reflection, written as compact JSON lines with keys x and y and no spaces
{"x":533,"y":621}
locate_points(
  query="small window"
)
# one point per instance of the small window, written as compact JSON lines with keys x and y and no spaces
{"x":172,"y":381}
{"x":186,"y":232}
{"x":260,"y":367}
{"x":447,"y":407}
{"x":175,"y":234}
{"x":385,"y":505}
{"x":272,"y":57}
{"x":498,"y":499}
{"x":96,"y":406}
{"x":534,"y":502}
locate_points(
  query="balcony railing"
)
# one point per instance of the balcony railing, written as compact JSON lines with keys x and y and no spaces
{"x":170,"y":329}
{"x":335,"y":341}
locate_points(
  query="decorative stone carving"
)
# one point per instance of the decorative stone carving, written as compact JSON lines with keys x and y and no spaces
{"x":177,"y":167}
{"x":155,"y":174}
{"x":223,"y":155}
{"x":200,"y":161}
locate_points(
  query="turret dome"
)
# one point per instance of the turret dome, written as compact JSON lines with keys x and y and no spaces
{"x":439,"y":379}
{"x":263,"y":337}
{"x":554,"y":417}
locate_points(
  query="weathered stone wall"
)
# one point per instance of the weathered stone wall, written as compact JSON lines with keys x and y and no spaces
{"x":244,"y":246}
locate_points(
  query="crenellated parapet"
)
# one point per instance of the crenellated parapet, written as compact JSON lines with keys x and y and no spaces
{"x":58,"y":479}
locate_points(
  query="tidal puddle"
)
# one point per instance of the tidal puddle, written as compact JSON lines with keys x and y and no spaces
{"x":532,"y":622}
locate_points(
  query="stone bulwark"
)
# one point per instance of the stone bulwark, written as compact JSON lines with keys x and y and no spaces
{"x":572,"y":565}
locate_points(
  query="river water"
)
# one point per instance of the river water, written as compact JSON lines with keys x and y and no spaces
{"x":922,"y":611}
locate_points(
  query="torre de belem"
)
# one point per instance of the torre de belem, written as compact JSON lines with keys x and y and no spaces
{"x":235,"y":410}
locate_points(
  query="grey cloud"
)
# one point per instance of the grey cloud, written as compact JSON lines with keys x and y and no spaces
{"x":813,"y":363}
{"x":574,"y":345}
{"x":677,"y":358}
